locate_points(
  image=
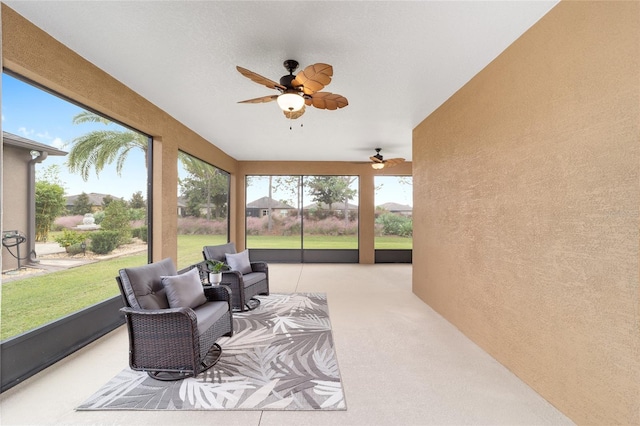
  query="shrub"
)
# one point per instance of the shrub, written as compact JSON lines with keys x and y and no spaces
{"x":291,"y":226}
{"x":103,"y":242}
{"x":68,"y":222}
{"x":201,"y":226}
{"x":74,"y":249}
{"x":49,"y":204}
{"x":140,"y":232}
{"x":69,"y":238}
{"x":255,"y":225}
{"x":116,"y":218}
{"x":330,"y":226}
{"x":98,"y":217}
{"x":137,"y":214}
{"x":393,"y":224}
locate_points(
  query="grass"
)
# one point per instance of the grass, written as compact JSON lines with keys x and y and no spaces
{"x":37,"y":300}
{"x":190,"y":247}
{"x":34,"y":301}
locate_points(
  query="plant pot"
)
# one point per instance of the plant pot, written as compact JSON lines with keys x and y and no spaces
{"x":215,"y":277}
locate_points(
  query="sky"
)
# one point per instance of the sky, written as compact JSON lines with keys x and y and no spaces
{"x":32,"y":113}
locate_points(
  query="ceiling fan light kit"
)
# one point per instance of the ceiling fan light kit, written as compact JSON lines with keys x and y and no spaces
{"x":299,"y":90}
{"x":378,"y":162}
{"x":290,"y":102}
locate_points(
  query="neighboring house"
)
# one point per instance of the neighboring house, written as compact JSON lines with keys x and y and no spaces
{"x":260,"y":208}
{"x":20,"y":155}
{"x":337,"y":206}
{"x":396,"y":208}
{"x":182,"y":207}
{"x":95,"y":200}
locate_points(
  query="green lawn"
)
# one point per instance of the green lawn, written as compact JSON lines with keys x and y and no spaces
{"x":31,"y":302}
{"x":393,"y":243}
{"x":190,"y":247}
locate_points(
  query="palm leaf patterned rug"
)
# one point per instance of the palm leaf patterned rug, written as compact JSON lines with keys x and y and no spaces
{"x":280,"y":357}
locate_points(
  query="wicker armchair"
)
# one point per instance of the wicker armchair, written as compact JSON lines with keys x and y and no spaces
{"x":243,"y":286}
{"x":171,"y":343}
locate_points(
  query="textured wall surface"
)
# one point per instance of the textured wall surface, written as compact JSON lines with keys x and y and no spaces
{"x":527,"y":195}
{"x":15,"y":175}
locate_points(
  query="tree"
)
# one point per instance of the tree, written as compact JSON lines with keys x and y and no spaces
{"x":98,"y":148}
{"x":82,"y":205}
{"x":50,"y":202}
{"x":106,"y":200}
{"x":206,"y":186}
{"x":331,"y":189}
{"x":137,"y":201}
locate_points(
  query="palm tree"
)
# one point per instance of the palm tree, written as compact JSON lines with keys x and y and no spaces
{"x":101,"y":147}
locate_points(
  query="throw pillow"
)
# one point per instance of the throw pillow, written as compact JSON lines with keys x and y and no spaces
{"x":184,"y":291}
{"x":239,"y":262}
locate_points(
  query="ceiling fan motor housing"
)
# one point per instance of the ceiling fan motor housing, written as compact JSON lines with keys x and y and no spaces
{"x":378,"y":155}
{"x":286,"y":80}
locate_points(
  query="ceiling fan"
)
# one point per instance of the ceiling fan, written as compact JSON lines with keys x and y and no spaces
{"x":299,"y":90}
{"x":380,"y":163}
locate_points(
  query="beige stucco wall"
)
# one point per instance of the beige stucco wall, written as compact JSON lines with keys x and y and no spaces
{"x":15,"y":175}
{"x":526,"y":193}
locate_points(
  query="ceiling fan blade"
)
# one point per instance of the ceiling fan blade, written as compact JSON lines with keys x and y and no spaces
{"x":294,"y":114}
{"x":259,"y":100}
{"x":376,"y":160}
{"x":313,"y":78}
{"x":260,"y":79}
{"x":328,"y":100}
{"x":393,"y":162}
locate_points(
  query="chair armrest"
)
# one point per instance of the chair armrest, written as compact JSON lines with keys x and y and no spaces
{"x":259,"y":267}
{"x":231,"y":277}
{"x":161,"y":318}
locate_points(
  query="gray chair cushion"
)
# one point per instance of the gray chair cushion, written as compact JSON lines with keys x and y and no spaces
{"x":253,"y":277}
{"x":219,"y":252}
{"x":209,"y":313}
{"x":184,"y":291}
{"x":143,"y":284}
{"x":239,"y":262}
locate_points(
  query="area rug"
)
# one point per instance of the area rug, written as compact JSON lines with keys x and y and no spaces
{"x":281,"y":357}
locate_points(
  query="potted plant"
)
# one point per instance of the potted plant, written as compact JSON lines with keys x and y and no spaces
{"x":215,"y":268}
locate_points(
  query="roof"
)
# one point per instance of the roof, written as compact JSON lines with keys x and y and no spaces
{"x":20,"y":142}
{"x":95,"y":199}
{"x":396,"y":207}
{"x":335,"y":206}
{"x":263,"y":203}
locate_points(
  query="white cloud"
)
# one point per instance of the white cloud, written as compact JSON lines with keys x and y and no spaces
{"x":2,"y":117}
{"x":24,"y":132}
{"x":58,"y":143}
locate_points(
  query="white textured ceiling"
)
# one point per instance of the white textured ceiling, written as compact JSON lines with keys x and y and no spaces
{"x":395,"y":61}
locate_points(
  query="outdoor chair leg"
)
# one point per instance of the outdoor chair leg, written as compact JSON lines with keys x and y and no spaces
{"x":209,"y":360}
